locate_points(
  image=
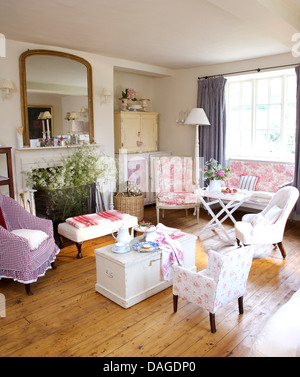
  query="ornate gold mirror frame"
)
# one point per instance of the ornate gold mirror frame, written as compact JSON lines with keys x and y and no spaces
{"x":23,"y":88}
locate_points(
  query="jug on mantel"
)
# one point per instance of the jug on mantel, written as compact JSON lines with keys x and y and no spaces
{"x":123,"y":234}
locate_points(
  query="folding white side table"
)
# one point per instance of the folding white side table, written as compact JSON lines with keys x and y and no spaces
{"x":229,"y":204}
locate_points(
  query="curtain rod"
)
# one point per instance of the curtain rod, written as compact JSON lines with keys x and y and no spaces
{"x":249,"y":70}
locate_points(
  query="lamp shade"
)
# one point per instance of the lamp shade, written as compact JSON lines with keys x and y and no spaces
{"x":7,"y":84}
{"x":197,"y":117}
{"x":106,"y":92}
{"x":47,"y":115}
{"x":73,"y":115}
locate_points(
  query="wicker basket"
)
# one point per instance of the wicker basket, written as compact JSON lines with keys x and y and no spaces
{"x":133,"y":205}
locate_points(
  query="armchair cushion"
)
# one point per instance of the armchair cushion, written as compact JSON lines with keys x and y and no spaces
{"x":34,"y":237}
{"x":177,"y":198}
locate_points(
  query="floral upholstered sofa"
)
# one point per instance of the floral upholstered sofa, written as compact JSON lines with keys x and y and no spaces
{"x":271,"y":177}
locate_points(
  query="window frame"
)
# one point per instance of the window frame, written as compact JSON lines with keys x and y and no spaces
{"x":284,"y":134}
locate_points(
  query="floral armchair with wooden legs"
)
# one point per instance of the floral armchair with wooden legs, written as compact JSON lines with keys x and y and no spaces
{"x":223,"y":281}
{"x":174,"y":184}
{"x":27,"y":245}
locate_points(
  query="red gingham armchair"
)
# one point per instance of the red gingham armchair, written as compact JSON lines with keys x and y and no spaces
{"x":27,"y":246}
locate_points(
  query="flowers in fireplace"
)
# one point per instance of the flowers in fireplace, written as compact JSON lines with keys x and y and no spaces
{"x":68,"y":190}
{"x":84,"y":166}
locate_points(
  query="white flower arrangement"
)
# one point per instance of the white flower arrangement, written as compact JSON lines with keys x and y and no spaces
{"x":84,"y":166}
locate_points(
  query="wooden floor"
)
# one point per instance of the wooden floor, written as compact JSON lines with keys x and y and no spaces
{"x":67,"y":317}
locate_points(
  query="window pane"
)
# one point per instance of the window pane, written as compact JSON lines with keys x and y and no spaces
{"x":261,"y":141}
{"x":235,"y":94}
{"x":246,"y":93}
{"x":274,"y":116}
{"x":246,"y":119}
{"x":262,"y":91}
{"x":275,"y":90}
{"x":262,"y":117}
{"x":291,"y":89}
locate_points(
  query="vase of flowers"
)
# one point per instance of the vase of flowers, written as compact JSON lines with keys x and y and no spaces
{"x":216,"y":174}
{"x":127,"y":94}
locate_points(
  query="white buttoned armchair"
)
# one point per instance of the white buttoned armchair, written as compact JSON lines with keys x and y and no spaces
{"x":268,"y":226}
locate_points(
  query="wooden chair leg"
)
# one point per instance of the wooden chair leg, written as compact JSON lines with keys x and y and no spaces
{"x":28,"y":290}
{"x":281,"y":248}
{"x":241,"y":305}
{"x":175,"y":302}
{"x":212,"y":322}
{"x":78,"y":245}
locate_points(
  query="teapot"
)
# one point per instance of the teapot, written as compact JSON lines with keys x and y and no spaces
{"x":123,"y":234}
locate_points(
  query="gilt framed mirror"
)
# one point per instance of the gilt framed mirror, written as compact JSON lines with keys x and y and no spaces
{"x":61,"y":81}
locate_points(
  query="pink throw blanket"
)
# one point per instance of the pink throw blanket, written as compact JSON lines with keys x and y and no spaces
{"x":171,"y":248}
{"x":94,"y":218}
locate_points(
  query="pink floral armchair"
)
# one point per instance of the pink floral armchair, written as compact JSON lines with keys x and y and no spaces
{"x":27,"y":246}
{"x":223,"y":281}
{"x":174,"y":184}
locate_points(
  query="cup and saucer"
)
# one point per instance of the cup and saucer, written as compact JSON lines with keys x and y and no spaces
{"x":120,"y":247}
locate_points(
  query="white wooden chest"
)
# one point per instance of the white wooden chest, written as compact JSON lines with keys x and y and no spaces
{"x":132,"y":277}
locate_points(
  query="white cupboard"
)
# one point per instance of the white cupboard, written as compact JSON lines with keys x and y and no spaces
{"x":136,"y":131}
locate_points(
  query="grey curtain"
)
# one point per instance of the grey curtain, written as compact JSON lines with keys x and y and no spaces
{"x":211,"y":98}
{"x":297,"y":135}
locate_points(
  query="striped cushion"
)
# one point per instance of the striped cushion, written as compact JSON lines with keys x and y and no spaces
{"x":248,"y":182}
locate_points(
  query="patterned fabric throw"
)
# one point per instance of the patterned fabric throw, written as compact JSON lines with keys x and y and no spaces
{"x":95,"y":218}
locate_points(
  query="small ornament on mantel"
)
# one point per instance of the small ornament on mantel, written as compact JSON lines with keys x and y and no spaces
{"x":145,"y":103}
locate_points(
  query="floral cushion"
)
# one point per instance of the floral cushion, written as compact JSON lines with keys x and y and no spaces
{"x":177,"y":198}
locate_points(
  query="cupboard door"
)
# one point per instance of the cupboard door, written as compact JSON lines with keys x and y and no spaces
{"x":130,"y":132}
{"x":149,"y":132}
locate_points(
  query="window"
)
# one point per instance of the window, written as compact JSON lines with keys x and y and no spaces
{"x":261,"y":116}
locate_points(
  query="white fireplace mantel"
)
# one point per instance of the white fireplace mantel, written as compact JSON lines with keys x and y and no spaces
{"x":27,"y":159}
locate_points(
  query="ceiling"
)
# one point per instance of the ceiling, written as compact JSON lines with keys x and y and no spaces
{"x":168,"y":33}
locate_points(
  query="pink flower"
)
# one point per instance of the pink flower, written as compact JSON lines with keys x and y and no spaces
{"x":131,"y":93}
{"x":220,"y":173}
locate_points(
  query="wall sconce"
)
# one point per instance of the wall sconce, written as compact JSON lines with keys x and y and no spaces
{"x":84,"y":112}
{"x":182,"y":116}
{"x":7,"y":87}
{"x":2,"y":46}
{"x":106,"y":93}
